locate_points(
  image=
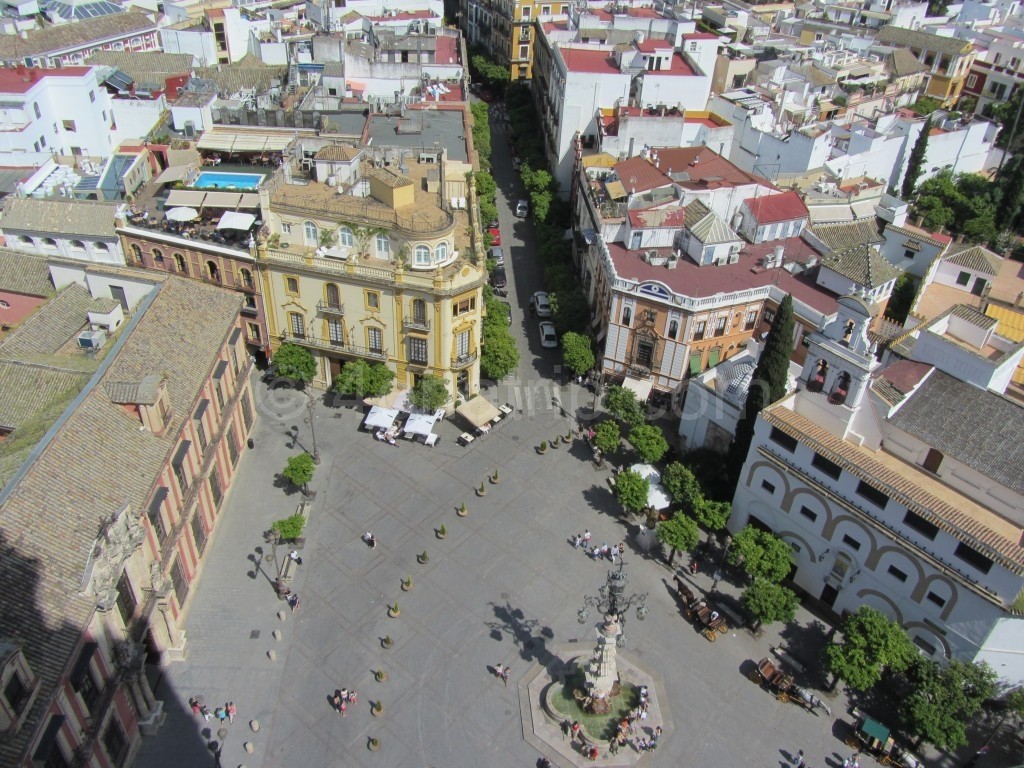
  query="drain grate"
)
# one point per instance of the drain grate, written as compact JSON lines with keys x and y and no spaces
{"x":254,"y":635}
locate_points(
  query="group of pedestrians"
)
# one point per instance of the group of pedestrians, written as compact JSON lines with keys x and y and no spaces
{"x":502,"y":672}
{"x":225,"y":714}
{"x":603,"y":552}
{"x":341,"y":698}
{"x":797,"y":759}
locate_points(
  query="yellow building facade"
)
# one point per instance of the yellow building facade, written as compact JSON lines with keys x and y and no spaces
{"x":384,"y":275}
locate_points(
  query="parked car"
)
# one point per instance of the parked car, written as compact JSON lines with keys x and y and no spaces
{"x":516,"y":163}
{"x":540,"y":304}
{"x":522,"y":209}
{"x":508,"y":310}
{"x":498,"y":256}
{"x":495,"y":234}
{"x":548,"y":336}
{"x":498,"y":278}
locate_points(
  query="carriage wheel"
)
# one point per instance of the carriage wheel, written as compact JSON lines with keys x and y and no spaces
{"x":755,"y":676}
{"x":722,"y":629}
{"x":851,"y":741}
{"x":886,"y":760}
{"x":783,"y":697}
{"x":711,"y":636}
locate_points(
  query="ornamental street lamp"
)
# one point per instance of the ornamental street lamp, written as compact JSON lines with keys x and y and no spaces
{"x":613,"y":602}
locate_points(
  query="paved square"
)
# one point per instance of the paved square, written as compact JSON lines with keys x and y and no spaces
{"x":504,"y":586}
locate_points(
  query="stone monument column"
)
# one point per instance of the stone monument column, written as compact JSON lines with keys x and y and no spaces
{"x":602,"y":673}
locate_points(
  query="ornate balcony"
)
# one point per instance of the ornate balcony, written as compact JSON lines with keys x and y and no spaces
{"x":329,"y":308}
{"x":464,"y":361}
{"x":417,"y":323}
{"x":337,"y":347}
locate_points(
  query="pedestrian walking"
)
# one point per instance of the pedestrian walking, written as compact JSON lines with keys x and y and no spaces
{"x":586,"y":539}
{"x":205,"y":712}
{"x":221,"y":714}
{"x":575,"y":729}
{"x":336,"y":701}
{"x":798,"y":759}
{"x":504,"y":675}
{"x":293,"y":601}
{"x":232,"y":711}
{"x":194,"y":703}
{"x":577,"y":541}
{"x":499,"y":669}
{"x":370,"y":539}
{"x":565,"y":725}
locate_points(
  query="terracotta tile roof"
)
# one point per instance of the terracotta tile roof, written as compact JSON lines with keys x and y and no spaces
{"x":702,"y":168}
{"x":772,"y":209}
{"x":974,"y":316}
{"x":51,"y":327}
{"x":922,"y":235}
{"x":145,"y":391}
{"x":639,"y":174}
{"x":841,"y":236}
{"x":27,"y":389}
{"x":78,"y":34}
{"x":812,"y":74}
{"x":389,"y":178}
{"x":52,"y":526}
{"x":145,"y":66}
{"x":898,"y":380}
{"x":24,"y":273}
{"x":902,"y":486}
{"x":863,"y":264}
{"x":903,"y":63}
{"x":338,"y":152}
{"x":902,"y":37}
{"x":249,"y":72}
{"x":59,"y":216}
{"x":974,"y":257}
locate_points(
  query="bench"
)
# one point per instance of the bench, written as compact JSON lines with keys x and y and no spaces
{"x":285,"y":574}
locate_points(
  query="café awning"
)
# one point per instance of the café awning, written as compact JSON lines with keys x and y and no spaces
{"x":222,"y":199}
{"x":380,"y":418}
{"x":185,"y":198}
{"x":240,"y":141}
{"x":236,"y":220}
{"x":249,"y":201}
{"x":478,"y":411}
{"x":174,"y":173}
{"x":420,"y":424}
{"x":639,"y":387}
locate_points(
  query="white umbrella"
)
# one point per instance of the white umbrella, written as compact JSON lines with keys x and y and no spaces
{"x":235,"y":220}
{"x":647,"y":472}
{"x":182,"y":214}
{"x":420,"y":424}
{"x":381,"y":418}
{"x":657,"y":497}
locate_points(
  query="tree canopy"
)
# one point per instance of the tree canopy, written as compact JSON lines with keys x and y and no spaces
{"x":362,"y":379}
{"x":713,"y":515}
{"x":299,"y":470}
{"x":500,"y":355}
{"x":768,"y":384}
{"x":761,"y":554}
{"x":577,"y":353}
{"x":902,"y":298}
{"x":915,"y":165}
{"x":631,"y":490}
{"x":607,"y":436}
{"x":870,"y":643}
{"x":648,"y":442}
{"x":770,"y":602}
{"x":295,"y":362}
{"x":683,"y":486}
{"x":678,"y":532}
{"x":965,"y":204}
{"x":944,"y":698}
{"x":429,"y":393}
{"x":622,"y":404}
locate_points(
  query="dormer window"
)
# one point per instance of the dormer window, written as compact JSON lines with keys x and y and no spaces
{"x":145,"y":399}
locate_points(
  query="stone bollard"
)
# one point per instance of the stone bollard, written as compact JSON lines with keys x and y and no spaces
{"x":254,"y":725}
{"x":271,"y":654}
{"x":282,"y":616}
{"x":277,"y":634}
{"x":249,"y":747}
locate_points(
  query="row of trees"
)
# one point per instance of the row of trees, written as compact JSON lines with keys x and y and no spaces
{"x":936,"y":702}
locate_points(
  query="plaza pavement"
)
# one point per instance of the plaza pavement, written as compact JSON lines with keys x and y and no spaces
{"x":504,"y":586}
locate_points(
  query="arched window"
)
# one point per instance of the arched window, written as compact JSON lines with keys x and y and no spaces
{"x":441,"y":253}
{"x":312,"y":233}
{"x":136,"y":252}
{"x":76,"y":245}
{"x":345,"y":237}
{"x":333,"y":295}
{"x":213,"y":270}
{"x":246,"y":278}
{"x":423,"y":255}
{"x":673,"y":329}
{"x":383,"y":245}
{"x":841,"y":389}
{"x":419,"y":310}
{"x":101,"y":247}
{"x":627,"y":315}
{"x":817,"y":380}
{"x":158,"y":256}
{"x":49,"y":242}
{"x":179,"y":264}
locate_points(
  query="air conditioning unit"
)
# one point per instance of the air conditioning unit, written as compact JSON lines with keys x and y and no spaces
{"x":734,"y":258}
{"x":92,"y":339}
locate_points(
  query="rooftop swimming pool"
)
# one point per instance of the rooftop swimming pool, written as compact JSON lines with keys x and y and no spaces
{"x":225,"y":180}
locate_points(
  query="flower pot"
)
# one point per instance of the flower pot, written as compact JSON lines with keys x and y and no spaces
{"x":380,"y":676}
{"x":373,"y":744}
{"x":407,"y":584}
{"x":377,"y":709}
{"x":462,"y":511}
{"x":495,"y":479}
{"x":482,"y":490}
{"x":567,"y":439}
{"x":393,"y":611}
{"x":387,"y":642}
{"x":441,"y":533}
{"x":423,"y":558}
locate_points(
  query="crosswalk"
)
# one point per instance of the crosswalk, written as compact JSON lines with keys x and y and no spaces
{"x":543,"y":398}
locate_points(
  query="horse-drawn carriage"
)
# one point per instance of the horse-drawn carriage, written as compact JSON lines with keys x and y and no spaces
{"x":869,"y":735}
{"x":780,"y":683}
{"x":710,"y":621}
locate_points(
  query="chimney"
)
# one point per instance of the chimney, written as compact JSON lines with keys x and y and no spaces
{"x":959,"y":238}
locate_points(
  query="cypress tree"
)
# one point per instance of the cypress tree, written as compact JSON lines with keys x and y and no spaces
{"x":916,"y":163}
{"x":767,"y":385}
{"x":1011,"y":195}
